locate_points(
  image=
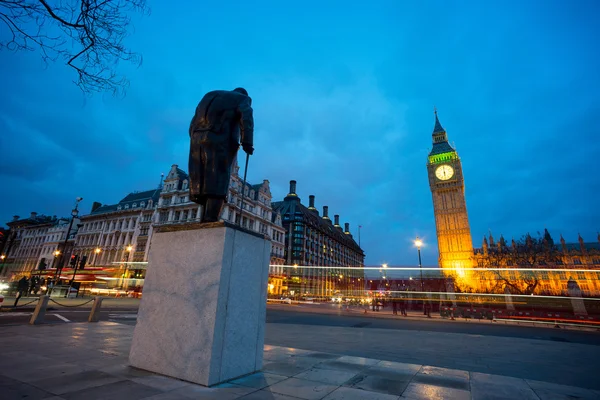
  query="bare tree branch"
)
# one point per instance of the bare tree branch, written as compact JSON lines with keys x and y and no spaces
{"x":87,"y":34}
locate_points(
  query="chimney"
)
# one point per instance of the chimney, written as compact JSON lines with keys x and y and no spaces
{"x":33,"y":214}
{"x":292,"y":187}
{"x":311,"y":201}
{"x":325,"y":212}
{"x":336,"y":218}
{"x":16,"y":217}
{"x":347,"y":228}
{"x":96,"y":206}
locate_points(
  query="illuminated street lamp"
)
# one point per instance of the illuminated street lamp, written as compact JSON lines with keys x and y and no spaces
{"x":97,"y":251}
{"x":3,"y":258}
{"x":419,"y":243}
{"x":128,"y":248}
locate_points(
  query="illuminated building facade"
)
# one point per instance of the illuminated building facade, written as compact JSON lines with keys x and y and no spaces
{"x":447,"y":185}
{"x":175,"y":207}
{"x":32,"y":243}
{"x":456,"y":250}
{"x":314,"y":240}
{"x":546,"y":257}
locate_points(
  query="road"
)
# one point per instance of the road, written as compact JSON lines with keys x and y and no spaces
{"x":326,"y":315}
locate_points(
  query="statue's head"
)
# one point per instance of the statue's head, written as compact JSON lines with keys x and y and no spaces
{"x":241,"y":90}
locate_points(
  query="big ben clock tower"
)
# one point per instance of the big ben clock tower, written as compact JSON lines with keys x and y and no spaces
{"x":449,"y":206}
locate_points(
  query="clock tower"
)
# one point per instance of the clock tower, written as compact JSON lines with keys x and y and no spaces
{"x":449,"y":206}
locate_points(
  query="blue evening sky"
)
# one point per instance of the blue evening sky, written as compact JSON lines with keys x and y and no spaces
{"x":343,"y":95}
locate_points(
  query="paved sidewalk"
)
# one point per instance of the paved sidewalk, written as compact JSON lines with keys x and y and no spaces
{"x":89,"y":361}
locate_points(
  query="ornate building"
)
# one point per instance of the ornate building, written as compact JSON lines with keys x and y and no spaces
{"x":314,"y":240}
{"x":536,"y":255}
{"x":33,"y":243}
{"x":174,"y":206}
{"x":447,"y":185}
{"x":116,"y":237}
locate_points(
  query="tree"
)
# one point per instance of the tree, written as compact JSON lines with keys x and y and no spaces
{"x":87,"y":34}
{"x":528,"y":254}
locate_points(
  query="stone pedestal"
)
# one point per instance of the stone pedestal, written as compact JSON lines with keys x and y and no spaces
{"x":203,"y":309}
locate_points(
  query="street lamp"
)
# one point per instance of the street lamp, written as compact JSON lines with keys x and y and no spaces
{"x":419,"y":243}
{"x":97,"y":251}
{"x":74,"y":214}
{"x":128,"y":248}
{"x":3,"y":258}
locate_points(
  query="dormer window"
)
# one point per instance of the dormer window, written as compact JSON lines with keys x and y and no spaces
{"x":134,"y":205}
{"x":142,"y":204}
{"x":126,"y":206}
{"x":185,"y":185}
{"x":118,"y":207}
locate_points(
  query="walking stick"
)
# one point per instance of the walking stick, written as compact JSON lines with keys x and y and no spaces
{"x":244,"y":188}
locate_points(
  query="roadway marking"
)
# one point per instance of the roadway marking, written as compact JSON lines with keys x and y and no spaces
{"x":123,"y":316}
{"x":61,"y":317}
{"x":14,"y":314}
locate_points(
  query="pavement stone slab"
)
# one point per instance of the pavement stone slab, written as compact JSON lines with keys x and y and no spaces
{"x":497,"y":387}
{"x":443,"y":377}
{"x":259,"y":380}
{"x":74,"y":382}
{"x":420,"y":391}
{"x":303,"y":389}
{"x":346,"y":393}
{"x":266,"y":394}
{"x":328,"y":376}
{"x":553,"y":391}
{"x":378,"y":384}
{"x":367,"y":362}
{"x":119,"y":390}
{"x":339,"y":365}
{"x":163,"y":383}
{"x":12,"y":389}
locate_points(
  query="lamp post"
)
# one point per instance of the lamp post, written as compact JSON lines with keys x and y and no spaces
{"x":97,"y":251}
{"x":128,"y":248}
{"x":74,"y":214}
{"x":419,"y":243}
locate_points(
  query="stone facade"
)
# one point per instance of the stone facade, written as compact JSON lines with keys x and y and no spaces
{"x":33,"y":242}
{"x":456,"y":250}
{"x":314,"y":240}
{"x":447,"y":185}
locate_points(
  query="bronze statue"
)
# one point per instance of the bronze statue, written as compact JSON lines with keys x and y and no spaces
{"x":222,"y":121}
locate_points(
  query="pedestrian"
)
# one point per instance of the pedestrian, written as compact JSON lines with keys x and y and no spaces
{"x":22,"y":287}
{"x":394,"y":306}
{"x":402,"y":306}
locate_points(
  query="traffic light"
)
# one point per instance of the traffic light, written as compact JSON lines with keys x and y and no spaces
{"x":74,"y":258}
{"x":82,"y":262}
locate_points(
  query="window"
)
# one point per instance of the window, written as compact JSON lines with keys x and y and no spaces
{"x":118,"y":207}
{"x":142,"y":204}
{"x":134,"y":205}
{"x":576,"y":261}
{"x":126,"y":206}
{"x":581,"y":275}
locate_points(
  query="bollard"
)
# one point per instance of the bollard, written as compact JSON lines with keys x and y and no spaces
{"x":95,"y":312}
{"x":40,"y":310}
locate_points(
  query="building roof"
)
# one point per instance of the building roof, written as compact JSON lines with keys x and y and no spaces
{"x":438,"y":127}
{"x":313,"y":218}
{"x":440,"y":148}
{"x":130,"y":199}
{"x":35,"y":220}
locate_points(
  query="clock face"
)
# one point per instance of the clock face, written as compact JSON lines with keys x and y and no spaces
{"x":444,"y":172}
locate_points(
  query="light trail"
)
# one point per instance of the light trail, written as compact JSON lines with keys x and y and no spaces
{"x":435,"y":268}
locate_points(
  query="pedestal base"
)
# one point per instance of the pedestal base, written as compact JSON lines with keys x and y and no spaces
{"x":203,"y":309}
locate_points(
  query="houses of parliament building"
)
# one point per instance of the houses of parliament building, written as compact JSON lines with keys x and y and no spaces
{"x":540,"y":265}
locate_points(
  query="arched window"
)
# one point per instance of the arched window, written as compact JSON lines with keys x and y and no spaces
{"x":134,"y":205}
{"x":142,"y":204}
{"x":118,"y":207}
{"x":126,"y":206}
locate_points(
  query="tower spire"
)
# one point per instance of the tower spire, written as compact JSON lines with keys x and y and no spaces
{"x":438,"y":127}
